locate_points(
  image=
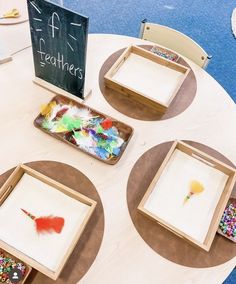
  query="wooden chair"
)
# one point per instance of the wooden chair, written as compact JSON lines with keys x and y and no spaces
{"x":175,"y":41}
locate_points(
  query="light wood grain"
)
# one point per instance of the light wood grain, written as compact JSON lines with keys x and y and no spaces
{"x":123,"y":256}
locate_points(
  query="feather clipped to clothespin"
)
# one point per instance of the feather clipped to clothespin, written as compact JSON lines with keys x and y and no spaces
{"x":14,"y":13}
{"x":195,"y":188}
{"x":47,"y":224}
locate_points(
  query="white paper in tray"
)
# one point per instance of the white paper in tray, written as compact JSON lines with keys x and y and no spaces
{"x":166,"y":200}
{"x":151,"y":79}
{"x":40,"y":199}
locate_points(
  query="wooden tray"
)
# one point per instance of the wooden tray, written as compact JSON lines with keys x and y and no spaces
{"x":165,"y":200}
{"x":60,"y":246}
{"x":140,"y":74}
{"x":86,"y":250}
{"x":138,"y":110}
{"x":125,"y":131}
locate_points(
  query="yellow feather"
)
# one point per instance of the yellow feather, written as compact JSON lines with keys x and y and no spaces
{"x":196,"y":187}
{"x":47,"y":109}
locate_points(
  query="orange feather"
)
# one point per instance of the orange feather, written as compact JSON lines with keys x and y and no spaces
{"x":47,"y":224}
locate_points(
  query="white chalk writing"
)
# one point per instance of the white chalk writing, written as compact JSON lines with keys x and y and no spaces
{"x":75,"y":24}
{"x":70,"y":46}
{"x":57,"y":61}
{"x":72,"y":36}
{"x":35,"y":7}
{"x":37,"y":19}
{"x":53,"y":23}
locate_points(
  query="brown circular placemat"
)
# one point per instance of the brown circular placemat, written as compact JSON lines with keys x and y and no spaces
{"x":89,"y":243}
{"x":160,"y":239}
{"x":137,"y":110}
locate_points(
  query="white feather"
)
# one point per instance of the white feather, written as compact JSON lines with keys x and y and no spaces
{"x":83,"y":113}
{"x":120,"y":142}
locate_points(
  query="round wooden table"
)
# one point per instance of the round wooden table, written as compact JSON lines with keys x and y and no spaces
{"x":123,"y":257}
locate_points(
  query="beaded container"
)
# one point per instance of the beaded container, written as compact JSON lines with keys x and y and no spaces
{"x":9,"y":262}
{"x":167,"y":54}
{"x":227,"y":226}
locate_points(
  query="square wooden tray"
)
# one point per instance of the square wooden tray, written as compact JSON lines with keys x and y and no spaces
{"x":146,"y":77}
{"x":125,"y":131}
{"x":8,"y":192}
{"x":197,"y":220}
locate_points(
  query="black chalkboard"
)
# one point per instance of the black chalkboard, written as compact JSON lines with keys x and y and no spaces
{"x":59,"y":42}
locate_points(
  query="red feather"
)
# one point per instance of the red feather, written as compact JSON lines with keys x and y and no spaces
{"x":48,"y":223}
{"x":61,"y":112}
{"x":106,"y":124}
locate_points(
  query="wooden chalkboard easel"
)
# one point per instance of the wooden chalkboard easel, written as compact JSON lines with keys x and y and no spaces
{"x":59,"y":42}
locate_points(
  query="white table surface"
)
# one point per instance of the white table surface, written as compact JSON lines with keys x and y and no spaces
{"x":15,"y":37}
{"x":123,"y":257}
{"x":14,"y":32}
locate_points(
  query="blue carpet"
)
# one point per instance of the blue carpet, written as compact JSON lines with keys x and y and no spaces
{"x":232,"y":278}
{"x":205,"y":21}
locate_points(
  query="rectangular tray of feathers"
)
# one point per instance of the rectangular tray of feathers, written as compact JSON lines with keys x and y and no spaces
{"x":124,"y":132}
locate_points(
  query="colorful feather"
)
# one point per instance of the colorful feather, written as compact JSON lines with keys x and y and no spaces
{"x":106,"y":124}
{"x":195,"y":188}
{"x":47,"y":109}
{"x":93,"y":133}
{"x":47,"y":224}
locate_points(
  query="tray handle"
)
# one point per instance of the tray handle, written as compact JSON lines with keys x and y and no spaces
{"x":202,"y":159}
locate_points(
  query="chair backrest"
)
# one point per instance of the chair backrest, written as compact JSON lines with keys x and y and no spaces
{"x":174,"y":40}
{"x":233,"y":22}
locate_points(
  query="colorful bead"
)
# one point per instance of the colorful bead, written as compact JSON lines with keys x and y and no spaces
{"x":165,"y":53}
{"x":6,"y":265}
{"x":228,"y":221}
